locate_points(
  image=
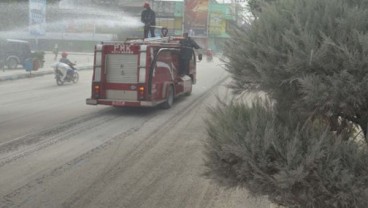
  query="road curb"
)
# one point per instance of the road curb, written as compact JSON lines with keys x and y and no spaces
{"x":25,"y":74}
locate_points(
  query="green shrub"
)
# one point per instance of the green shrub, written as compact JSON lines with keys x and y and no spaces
{"x":294,"y":165}
{"x":311,"y":59}
{"x":311,"y":56}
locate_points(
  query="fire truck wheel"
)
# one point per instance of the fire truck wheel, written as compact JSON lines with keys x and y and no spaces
{"x":170,"y":98}
{"x":190,"y":91}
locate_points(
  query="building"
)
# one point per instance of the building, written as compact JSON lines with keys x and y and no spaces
{"x":78,"y":24}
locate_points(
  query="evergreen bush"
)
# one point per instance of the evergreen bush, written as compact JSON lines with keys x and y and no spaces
{"x":310,"y":58}
{"x":296,"y":165}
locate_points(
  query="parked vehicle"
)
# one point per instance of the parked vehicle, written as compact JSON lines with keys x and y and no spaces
{"x":65,"y":73}
{"x":18,"y":52}
{"x":2,"y":60}
{"x":140,"y":73}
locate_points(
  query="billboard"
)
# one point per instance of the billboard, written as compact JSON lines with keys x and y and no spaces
{"x":37,"y":17}
{"x":164,"y":8}
{"x":195,"y":17}
{"x":217,"y":20}
{"x":171,"y":0}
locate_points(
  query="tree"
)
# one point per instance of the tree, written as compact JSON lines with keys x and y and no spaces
{"x":255,"y":6}
{"x":300,"y":147}
{"x":309,"y":56}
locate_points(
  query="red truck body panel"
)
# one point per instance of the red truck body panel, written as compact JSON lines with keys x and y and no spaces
{"x":139,"y":73}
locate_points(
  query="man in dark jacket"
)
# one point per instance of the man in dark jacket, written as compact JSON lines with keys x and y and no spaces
{"x":186,"y":53}
{"x":148,"y":17}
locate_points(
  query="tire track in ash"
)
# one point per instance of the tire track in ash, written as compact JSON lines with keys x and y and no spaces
{"x":111,"y":171}
{"x":23,"y":146}
{"x":62,"y":133}
{"x":82,"y":197}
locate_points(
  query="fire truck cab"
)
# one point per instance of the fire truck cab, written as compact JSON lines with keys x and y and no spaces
{"x":142,"y":72}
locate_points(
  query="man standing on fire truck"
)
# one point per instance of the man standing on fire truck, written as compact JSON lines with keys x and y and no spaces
{"x":148,"y":17}
{"x":187,"y":44}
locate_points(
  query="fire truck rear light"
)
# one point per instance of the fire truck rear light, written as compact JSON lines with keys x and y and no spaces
{"x":96,"y":91}
{"x":141,"y":92}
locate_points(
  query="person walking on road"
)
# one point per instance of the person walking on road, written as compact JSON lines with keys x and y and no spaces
{"x":148,"y":17}
{"x":186,"y":53}
{"x":56,"y":51}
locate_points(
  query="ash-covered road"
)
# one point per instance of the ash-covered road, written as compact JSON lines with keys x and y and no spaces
{"x":55,"y":151}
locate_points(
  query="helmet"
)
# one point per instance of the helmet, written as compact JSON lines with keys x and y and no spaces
{"x":64,"y":54}
{"x":146,"y":5}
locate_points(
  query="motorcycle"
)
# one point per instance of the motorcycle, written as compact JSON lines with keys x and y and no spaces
{"x":72,"y":74}
{"x":209,"y":55}
{"x":209,"y":58}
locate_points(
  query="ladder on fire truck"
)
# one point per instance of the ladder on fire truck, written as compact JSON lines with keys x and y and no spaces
{"x":154,"y":40}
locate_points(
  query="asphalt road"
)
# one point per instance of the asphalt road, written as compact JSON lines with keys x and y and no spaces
{"x":55,"y":151}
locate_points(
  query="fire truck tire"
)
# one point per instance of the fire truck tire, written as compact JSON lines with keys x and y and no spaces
{"x":170,"y":98}
{"x":190,"y":91}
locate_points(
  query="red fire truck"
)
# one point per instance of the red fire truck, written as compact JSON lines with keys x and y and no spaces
{"x":143,"y":72}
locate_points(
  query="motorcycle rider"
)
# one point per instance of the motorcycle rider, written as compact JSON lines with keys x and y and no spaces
{"x":209,"y":55}
{"x":64,"y":59}
{"x":67,"y":67}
